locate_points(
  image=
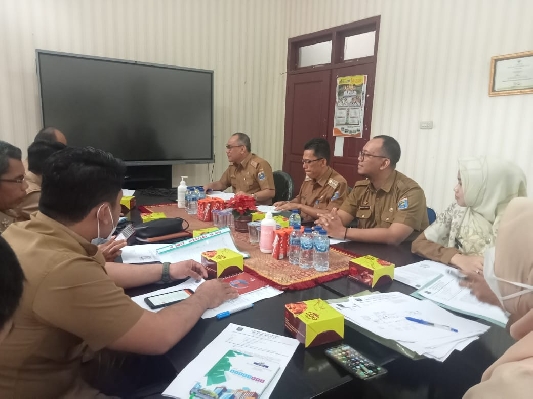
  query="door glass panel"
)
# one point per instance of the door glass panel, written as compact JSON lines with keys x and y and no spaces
{"x":361,"y":45}
{"x":315,"y":54}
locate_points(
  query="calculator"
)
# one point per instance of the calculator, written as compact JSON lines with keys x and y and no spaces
{"x":355,"y":363}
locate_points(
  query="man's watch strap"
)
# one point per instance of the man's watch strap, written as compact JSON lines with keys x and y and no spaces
{"x":165,"y":274}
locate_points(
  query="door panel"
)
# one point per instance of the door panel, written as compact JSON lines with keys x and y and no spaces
{"x":347,"y":164}
{"x":306,"y":117}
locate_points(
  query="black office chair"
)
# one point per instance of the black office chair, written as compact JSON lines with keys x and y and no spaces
{"x":284,"y":186}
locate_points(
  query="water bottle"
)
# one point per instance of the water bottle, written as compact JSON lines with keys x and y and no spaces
{"x":316,"y":231}
{"x":306,"y":249}
{"x":188,"y":199}
{"x":294,"y":245}
{"x":201,"y":192}
{"x":321,"y":252}
{"x":295,"y":219}
{"x":192,"y":203}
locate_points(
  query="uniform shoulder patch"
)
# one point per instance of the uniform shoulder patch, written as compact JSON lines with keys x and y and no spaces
{"x":333,"y":183}
{"x":335,"y":196}
{"x":261,"y":176}
{"x":403,"y":204}
{"x":254,"y":164}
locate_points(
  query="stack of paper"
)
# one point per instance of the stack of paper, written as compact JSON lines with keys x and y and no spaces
{"x":221,"y":195}
{"x":386,"y":315}
{"x":440,"y":283}
{"x":269,"y":348}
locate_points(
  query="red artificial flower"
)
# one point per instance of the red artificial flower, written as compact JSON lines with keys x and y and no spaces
{"x":242,"y":204}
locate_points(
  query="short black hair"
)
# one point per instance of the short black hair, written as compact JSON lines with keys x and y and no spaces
{"x":320,"y":147}
{"x":75,"y":180}
{"x":7,"y":152}
{"x":244,"y":140}
{"x":391,"y":148}
{"x":39,"y":151}
{"x":11,"y":282}
{"x":46,"y":134}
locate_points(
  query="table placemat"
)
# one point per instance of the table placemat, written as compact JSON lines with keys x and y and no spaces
{"x":280,"y":274}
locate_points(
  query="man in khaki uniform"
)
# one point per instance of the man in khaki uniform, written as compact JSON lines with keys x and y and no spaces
{"x":38,"y":152}
{"x":12,"y":184}
{"x":50,"y":134}
{"x":390,"y":207}
{"x":11,"y":286}
{"x":323,"y":188}
{"x":72,"y":299}
{"x":247,"y":174}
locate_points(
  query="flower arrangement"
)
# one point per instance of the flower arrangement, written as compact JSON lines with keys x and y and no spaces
{"x":242,"y":205}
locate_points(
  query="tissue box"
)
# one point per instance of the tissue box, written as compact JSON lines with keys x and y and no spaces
{"x":371,"y":271}
{"x":222,"y":263}
{"x":127,"y":203}
{"x":200,"y":232}
{"x":147,"y":217}
{"x":314,"y":322}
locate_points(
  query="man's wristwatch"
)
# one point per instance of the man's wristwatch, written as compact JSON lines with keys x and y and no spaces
{"x":165,"y":274}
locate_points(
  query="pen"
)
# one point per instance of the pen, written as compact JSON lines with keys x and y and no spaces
{"x":228,"y":313}
{"x":456,"y":273}
{"x":428,"y":323}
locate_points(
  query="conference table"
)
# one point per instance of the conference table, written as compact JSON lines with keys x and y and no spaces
{"x":311,"y":375}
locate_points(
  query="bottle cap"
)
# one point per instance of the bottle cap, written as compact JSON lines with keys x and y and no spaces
{"x":308,"y":230}
{"x":295,"y":211}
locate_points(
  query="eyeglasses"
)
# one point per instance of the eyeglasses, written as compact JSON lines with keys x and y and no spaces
{"x":308,"y":161}
{"x":362,"y":155}
{"x":229,"y":147}
{"x":18,"y":181}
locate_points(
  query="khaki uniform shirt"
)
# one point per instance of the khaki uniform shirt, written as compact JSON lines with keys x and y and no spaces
{"x":30,"y":204}
{"x":5,"y":220}
{"x":69,"y":303}
{"x":400,"y":200}
{"x":327,"y":192}
{"x":253,"y":174}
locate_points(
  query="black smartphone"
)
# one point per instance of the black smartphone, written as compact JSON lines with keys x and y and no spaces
{"x":169,"y":298}
{"x":355,"y":363}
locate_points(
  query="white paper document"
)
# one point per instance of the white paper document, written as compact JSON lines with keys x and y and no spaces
{"x":419,"y":274}
{"x":141,"y":253}
{"x":127,"y":193}
{"x":261,"y":344}
{"x":268,"y":208}
{"x":386,"y":315}
{"x":333,"y":241}
{"x":221,"y":194}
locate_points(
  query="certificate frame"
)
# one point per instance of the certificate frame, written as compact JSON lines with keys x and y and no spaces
{"x":495,"y":75}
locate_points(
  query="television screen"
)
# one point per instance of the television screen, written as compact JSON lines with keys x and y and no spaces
{"x":141,"y":113}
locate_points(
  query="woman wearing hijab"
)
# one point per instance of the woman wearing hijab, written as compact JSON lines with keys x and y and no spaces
{"x":508,"y":270}
{"x":461,"y":234}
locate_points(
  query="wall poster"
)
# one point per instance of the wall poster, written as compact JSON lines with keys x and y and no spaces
{"x":350,"y":106}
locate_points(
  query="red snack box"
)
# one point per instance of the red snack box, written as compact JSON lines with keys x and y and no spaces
{"x":279,"y":249}
{"x":204,"y":211}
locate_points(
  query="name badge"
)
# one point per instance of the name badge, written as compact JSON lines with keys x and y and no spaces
{"x":364,"y":208}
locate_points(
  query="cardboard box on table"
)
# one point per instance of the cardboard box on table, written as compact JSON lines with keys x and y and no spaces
{"x":371,"y":271}
{"x":127,"y":203}
{"x":314,"y":322}
{"x":222,"y":262}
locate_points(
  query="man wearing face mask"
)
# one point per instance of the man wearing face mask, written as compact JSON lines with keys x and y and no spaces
{"x":73,"y":299}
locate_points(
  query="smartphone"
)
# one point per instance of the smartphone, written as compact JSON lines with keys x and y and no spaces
{"x":162,"y":300}
{"x":354,"y":363}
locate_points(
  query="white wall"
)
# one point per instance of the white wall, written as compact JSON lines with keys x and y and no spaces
{"x":433,"y":64}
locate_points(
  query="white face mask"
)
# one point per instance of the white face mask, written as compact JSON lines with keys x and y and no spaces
{"x":492,"y":280}
{"x":100,"y":240}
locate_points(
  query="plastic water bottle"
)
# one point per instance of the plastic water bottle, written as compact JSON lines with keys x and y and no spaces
{"x":321,"y":252}
{"x":316,"y":231}
{"x":306,"y":249}
{"x":201,"y":192}
{"x":192,"y":202}
{"x":295,"y":219}
{"x":294,"y":245}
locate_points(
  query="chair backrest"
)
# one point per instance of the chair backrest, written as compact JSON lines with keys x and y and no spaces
{"x":284,"y":186}
{"x":432,"y":216}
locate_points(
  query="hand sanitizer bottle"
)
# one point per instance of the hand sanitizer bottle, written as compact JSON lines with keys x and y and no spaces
{"x":182,"y":189}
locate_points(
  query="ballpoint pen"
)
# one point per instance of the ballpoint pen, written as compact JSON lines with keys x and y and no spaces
{"x":428,"y":323}
{"x":230,"y":312}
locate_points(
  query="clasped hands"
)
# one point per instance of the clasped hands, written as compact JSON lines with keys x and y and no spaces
{"x":332,"y":223}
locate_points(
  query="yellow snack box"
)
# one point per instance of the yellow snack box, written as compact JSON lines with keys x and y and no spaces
{"x":147,"y":217}
{"x":371,"y":271}
{"x":257,"y":216}
{"x":282,"y":221}
{"x":127,"y":203}
{"x":222,"y":263}
{"x":200,"y":232}
{"x":314,"y":322}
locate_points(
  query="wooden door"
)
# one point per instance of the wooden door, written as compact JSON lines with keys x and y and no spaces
{"x":306,"y":116}
{"x":346,"y":164}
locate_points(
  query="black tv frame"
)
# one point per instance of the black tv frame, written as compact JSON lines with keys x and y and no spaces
{"x":138,"y":163}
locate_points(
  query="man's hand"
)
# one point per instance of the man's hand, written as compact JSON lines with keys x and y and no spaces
{"x":187,"y":268}
{"x":207,"y":187}
{"x":287,"y":206}
{"x":479,"y":287}
{"x":112,"y":248}
{"x":332,"y":223}
{"x":215,"y":292}
{"x":468,"y":264}
{"x":279,"y":203}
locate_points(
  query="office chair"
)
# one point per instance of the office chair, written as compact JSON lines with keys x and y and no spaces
{"x":284,"y":186}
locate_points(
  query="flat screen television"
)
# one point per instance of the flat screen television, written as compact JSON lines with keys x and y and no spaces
{"x":145,"y":114}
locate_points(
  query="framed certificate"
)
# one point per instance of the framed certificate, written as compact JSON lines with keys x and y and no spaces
{"x":511,"y":74}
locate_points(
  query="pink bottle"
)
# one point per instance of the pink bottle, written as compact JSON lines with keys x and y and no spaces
{"x":268,"y":225}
